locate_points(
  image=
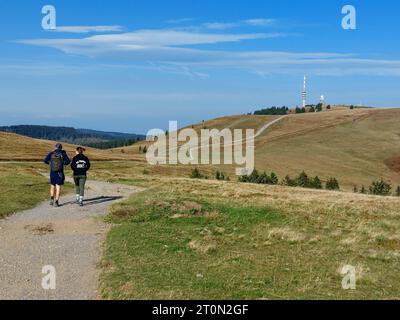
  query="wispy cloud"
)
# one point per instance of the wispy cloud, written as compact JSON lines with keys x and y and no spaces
{"x":241,"y":23}
{"x":260,"y":22}
{"x":178,"y":21}
{"x":88,"y":29}
{"x":220,"y":25}
{"x":171,"y":50}
{"x":143,"y":40}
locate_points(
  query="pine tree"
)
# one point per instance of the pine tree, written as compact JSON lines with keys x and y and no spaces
{"x":196,"y":174}
{"x":380,"y":188}
{"x":317,"y":184}
{"x":303,"y":181}
{"x":274,"y":178}
{"x":332,"y":184}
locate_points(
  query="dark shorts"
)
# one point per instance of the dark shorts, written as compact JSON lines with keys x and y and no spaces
{"x":57,"y":178}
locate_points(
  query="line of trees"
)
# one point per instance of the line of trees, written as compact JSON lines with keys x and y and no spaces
{"x":379,"y":187}
{"x":272,"y":111}
{"x":302,"y":180}
{"x":112,"y":144}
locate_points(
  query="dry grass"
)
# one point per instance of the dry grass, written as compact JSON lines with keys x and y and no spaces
{"x":260,"y":242}
{"x":355,"y":146}
{"x":14,"y":147}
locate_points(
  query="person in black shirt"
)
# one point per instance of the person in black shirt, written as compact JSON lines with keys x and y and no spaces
{"x":80,"y":166}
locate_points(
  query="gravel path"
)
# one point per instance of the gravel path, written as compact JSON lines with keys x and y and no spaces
{"x":68,"y":238}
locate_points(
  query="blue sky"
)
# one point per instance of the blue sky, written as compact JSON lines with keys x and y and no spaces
{"x":134,"y":65}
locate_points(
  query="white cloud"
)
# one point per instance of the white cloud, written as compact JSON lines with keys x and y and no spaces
{"x":259,"y":22}
{"x":157,"y":42}
{"x":168,"y":50}
{"x":88,"y":29}
{"x":220,"y":25}
{"x":178,"y":21}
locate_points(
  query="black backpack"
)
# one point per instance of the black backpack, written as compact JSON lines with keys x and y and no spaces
{"x":57,"y":161}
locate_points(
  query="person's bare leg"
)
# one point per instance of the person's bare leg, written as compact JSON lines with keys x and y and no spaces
{"x":58,"y":192}
{"x":52,"y":190}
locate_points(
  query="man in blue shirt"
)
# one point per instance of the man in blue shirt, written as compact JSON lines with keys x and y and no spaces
{"x":57,"y":159}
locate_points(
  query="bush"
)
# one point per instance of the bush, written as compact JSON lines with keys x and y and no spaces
{"x":380,"y":188}
{"x":332,"y":184}
{"x":274,"y":178}
{"x":398,"y":191}
{"x":196,"y":174}
{"x":317,"y":184}
{"x":289,"y":182}
{"x":221,"y":176}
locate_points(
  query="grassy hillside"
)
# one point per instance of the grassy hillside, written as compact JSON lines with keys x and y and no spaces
{"x":196,"y":239}
{"x":14,"y":147}
{"x":355,"y":146}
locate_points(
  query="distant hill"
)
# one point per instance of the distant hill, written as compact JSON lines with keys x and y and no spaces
{"x":86,"y":137}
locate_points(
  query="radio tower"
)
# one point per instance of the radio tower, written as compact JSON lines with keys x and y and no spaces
{"x":304,"y":93}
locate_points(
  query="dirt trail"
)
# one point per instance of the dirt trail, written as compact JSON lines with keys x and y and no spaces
{"x":68,"y":238}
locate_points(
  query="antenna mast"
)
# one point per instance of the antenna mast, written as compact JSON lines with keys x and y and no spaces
{"x":304,"y":93}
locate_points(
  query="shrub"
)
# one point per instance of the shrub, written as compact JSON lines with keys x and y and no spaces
{"x":196,"y":174}
{"x":317,"y":184}
{"x":303,"y":180}
{"x":363,"y":191}
{"x":332,"y":184}
{"x":289,"y":182}
{"x":398,"y":191}
{"x":221,"y":176}
{"x":274,"y":178}
{"x":380,"y":188}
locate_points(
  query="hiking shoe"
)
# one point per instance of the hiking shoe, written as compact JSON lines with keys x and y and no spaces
{"x":52,"y":202}
{"x":56,"y":204}
{"x":81,"y":203}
